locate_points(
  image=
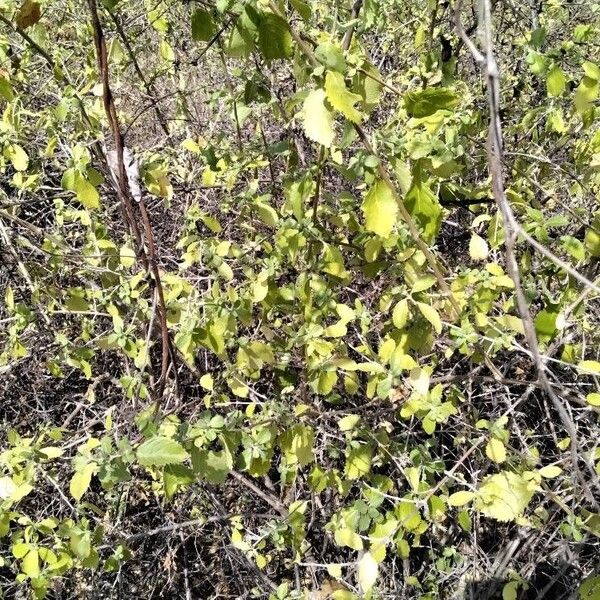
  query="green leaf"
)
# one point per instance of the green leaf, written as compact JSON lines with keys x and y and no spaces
{"x":80,"y":481}
{"x":340,"y":98}
{"x":380,"y":209}
{"x":400,"y":314}
{"x":424,"y":206}
{"x":346,"y":537}
{"x":6,"y":90}
{"x":274,"y":37}
{"x":203,"y":26}
{"x":556,"y":81}
{"x":267,"y":213}
{"x":424,"y":103}
{"x":358,"y":462}
{"x":212,"y":466}
{"x":592,"y":242}
{"x":303,"y":9}
{"x":368,"y":569}
{"x":241,"y":40}
{"x":17,"y":156}
{"x":431,"y":315}
{"x":573,"y":247}
{"x":545,"y":322}
{"x":331,"y":56}
{"x":318,"y":119}
{"x":590,"y":589}
{"x":30,"y":565}
{"x":86,"y":193}
{"x":159,"y":451}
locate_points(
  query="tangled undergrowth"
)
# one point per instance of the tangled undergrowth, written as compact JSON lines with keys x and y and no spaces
{"x":299,"y":299}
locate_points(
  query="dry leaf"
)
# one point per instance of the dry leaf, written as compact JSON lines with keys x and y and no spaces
{"x":28,"y":15}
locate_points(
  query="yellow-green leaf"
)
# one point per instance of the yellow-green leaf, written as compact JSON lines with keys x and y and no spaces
{"x":80,"y":481}
{"x":380,"y":209}
{"x":358,"y":462}
{"x":593,"y":399}
{"x":550,"y":471}
{"x":340,"y":97}
{"x":318,"y":119}
{"x":590,"y":366}
{"x":267,"y":213}
{"x":87,"y":194}
{"x":478,"y":248}
{"x":400,"y":314}
{"x":17,"y":156}
{"x":368,"y":569}
{"x":30,"y":565}
{"x":504,"y":496}
{"x":347,"y":537}
{"x":556,"y":81}
{"x":495,"y":450}
{"x":206,"y":381}
{"x":127,"y":256}
{"x":431,"y":315}
{"x":460,"y":498}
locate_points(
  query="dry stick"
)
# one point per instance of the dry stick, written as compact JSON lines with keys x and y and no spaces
{"x":383,"y":174}
{"x":317,"y":195}
{"x":271,"y":500}
{"x":495,"y":144}
{"x":350,"y":32}
{"x":148,"y":260}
